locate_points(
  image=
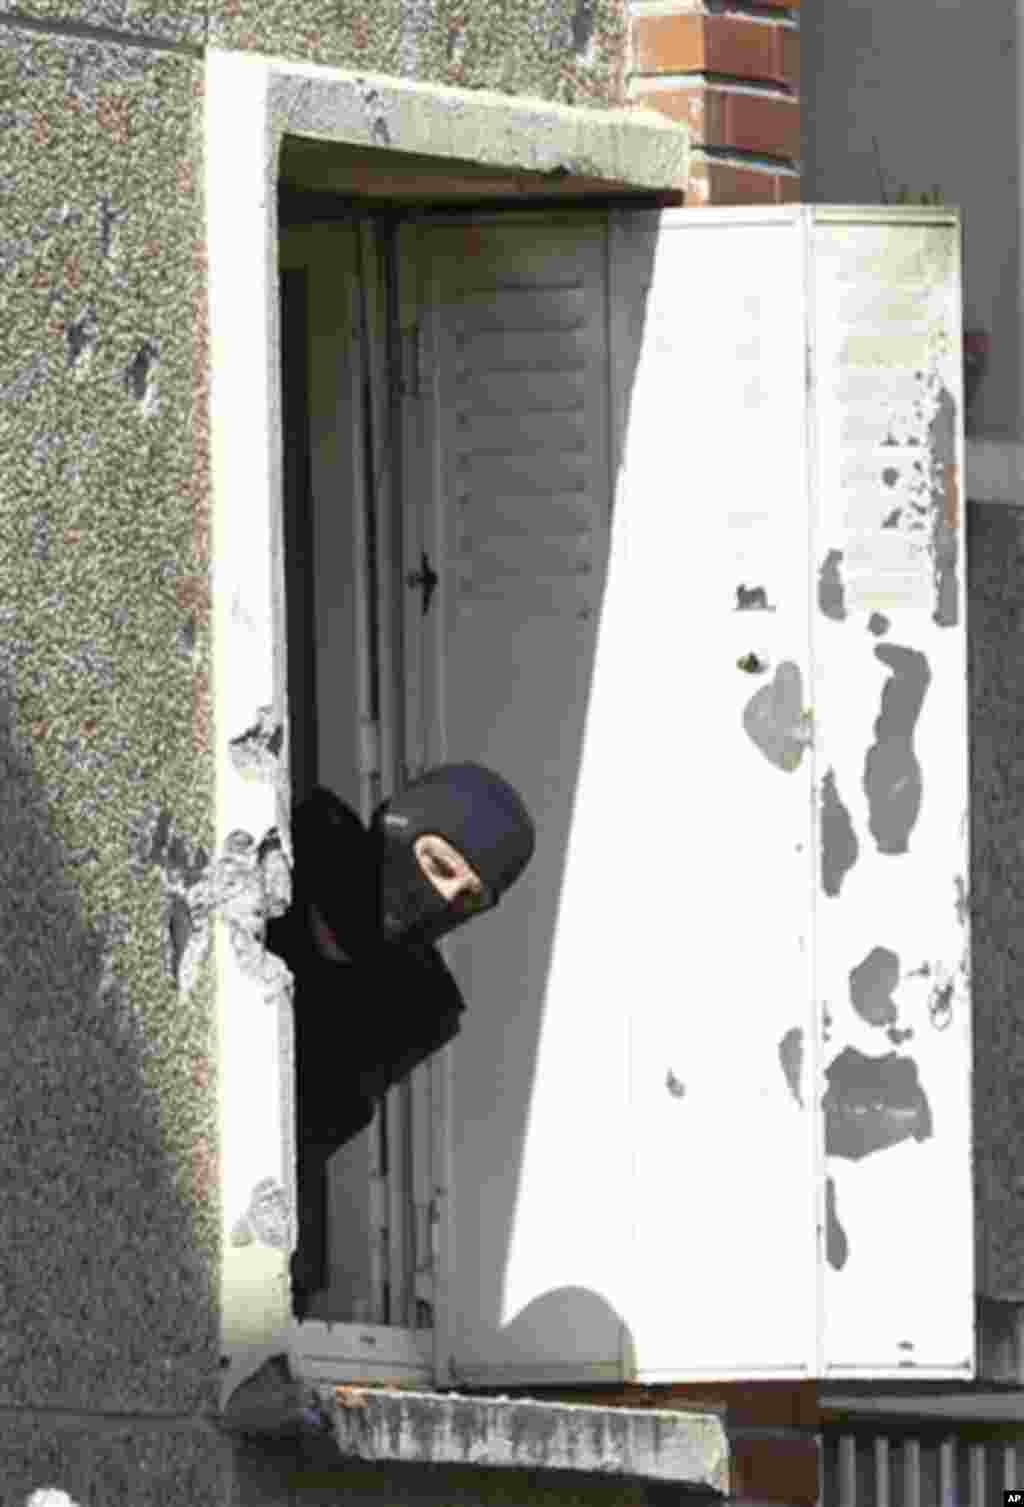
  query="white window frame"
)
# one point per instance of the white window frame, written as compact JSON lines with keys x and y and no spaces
{"x":251,"y":103}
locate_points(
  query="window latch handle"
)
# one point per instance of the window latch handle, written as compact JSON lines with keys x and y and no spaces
{"x":427,"y":579}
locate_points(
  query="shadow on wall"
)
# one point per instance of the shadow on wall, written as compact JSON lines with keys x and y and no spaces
{"x":284,"y":1437}
{"x":875,"y":127}
{"x":562,"y":1316}
{"x":109,"y":1296}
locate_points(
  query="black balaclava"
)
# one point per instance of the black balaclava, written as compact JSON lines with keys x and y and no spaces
{"x":482,"y":817}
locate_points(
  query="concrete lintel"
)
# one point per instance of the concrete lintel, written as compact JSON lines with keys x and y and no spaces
{"x":631,"y":146}
{"x":688,"y":1449}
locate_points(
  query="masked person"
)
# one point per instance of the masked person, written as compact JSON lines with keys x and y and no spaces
{"x":373,"y":997}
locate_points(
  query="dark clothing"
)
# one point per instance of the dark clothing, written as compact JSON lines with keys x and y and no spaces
{"x":360,"y":1026}
{"x":364,"y":1024}
{"x":335,"y":869}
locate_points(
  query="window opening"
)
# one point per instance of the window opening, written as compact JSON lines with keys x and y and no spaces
{"x":371,"y":1257}
{"x":365,"y":273}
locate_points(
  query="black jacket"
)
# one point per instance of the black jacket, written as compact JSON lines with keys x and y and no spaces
{"x":363,"y":1025}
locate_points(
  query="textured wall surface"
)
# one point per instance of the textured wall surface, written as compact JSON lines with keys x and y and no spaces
{"x":53,"y":1461}
{"x":110,"y":1220}
{"x":995,"y":627}
{"x":567,"y":50}
{"x":180,"y":22}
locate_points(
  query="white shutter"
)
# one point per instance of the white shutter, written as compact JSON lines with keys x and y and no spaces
{"x":891,"y":739}
{"x":638,"y":1179}
{"x":712,"y":943}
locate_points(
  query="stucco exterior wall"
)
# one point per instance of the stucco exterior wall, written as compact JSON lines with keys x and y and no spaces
{"x":572,"y":51}
{"x":912,"y":78}
{"x":110,"y":1219}
{"x":106,"y":790}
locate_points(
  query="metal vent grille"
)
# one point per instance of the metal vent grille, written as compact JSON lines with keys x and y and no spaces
{"x":957,"y":1467}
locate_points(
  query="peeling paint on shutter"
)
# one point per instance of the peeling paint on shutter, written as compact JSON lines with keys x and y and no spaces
{"x":890,"y":701}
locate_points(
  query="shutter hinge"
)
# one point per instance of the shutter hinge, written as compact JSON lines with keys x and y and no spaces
{"x":369,"y":747}
{"x":426,"y":579}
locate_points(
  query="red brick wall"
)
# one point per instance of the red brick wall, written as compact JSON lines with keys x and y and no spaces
{"x":731,"y":71}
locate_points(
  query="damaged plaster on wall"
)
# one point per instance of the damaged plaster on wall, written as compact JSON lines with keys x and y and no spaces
{"x":252,"y":886}
{"x":249,"y":883}
{"x":892,"y":773}
{"x":185,"y":908}
{"x":255,"y":753}
{"x":557,"y":32}
{"x":267,"y":1218}
{"x":141,"y":380}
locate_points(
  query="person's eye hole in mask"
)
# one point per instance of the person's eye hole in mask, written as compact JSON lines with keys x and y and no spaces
{"x":449,"y":873}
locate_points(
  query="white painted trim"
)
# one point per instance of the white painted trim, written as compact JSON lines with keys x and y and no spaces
{"x":255,"y":1054}
{"x":630,"y":146}
{"x":884,"y":214}
{"x":377,"y":1353}
{"x":574,"y":1375}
